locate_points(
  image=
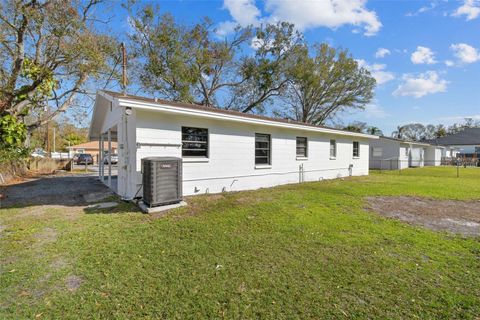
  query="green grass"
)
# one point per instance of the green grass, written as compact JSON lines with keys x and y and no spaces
{"x":296,"y":251}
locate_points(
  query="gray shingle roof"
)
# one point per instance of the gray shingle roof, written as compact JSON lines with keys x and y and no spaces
{"x":469,"y":136}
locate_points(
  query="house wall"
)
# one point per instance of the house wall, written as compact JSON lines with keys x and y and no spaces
{"x":231,"y":164}
{"x":390,"y":154}
{"x":417,"y":156}
{"x":433,"y":156}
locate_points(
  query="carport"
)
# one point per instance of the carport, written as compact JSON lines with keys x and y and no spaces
{"x":108,"y":176}
{"x":106,"y":127}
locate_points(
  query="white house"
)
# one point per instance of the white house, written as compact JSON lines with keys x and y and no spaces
{"x":391,"y":154}
{"x":221,"y":150}
{"x":465,"y":143}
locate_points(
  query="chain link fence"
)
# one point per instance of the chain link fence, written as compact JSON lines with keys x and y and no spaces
{"x":399,"y":164}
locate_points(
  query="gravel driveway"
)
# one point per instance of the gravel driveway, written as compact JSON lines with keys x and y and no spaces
{"x":60,"y":189}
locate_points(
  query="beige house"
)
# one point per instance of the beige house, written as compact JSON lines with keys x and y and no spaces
{"x":91,"y":147}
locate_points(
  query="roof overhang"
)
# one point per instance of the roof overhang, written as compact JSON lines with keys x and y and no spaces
{"x":162,"y":107}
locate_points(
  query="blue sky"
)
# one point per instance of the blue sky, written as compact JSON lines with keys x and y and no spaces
{"x":424,"y":54}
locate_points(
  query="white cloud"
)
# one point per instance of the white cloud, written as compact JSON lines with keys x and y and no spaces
{"x":225,"y":28}
{"x":307,"y":14}
{"x":244,"y":12}
{"x":375,"y":111}
{"x":470,"y":8}
{"x":382,"y":52}
{"x":460,"y":118}
{"x":423,"y":55}
{"x":423,"y":9}
{"x":465,"y":53}
{"x":378,"y":71}
{"x":421,"y":85}
{"x":449,"y":63}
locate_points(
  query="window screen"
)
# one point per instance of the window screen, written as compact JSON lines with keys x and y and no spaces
{"x":194,"y":142}
{"x":301,"y":147}
{"x":262,"y":148}
{"x":333,"y":149}
{"x":356,"y":149}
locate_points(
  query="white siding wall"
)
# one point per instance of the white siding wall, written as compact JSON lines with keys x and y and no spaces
{"x":433,"y":156}
{"x":390,"y":154}
{"x":231,"y":163}
{"x":417,"y":155}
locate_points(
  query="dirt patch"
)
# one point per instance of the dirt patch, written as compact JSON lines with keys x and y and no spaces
{"x":73,"y":282}
{"x":48,"y":235}
{"x":462,"y":217}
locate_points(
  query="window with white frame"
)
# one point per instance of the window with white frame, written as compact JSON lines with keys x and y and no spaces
{"x":333,"y":148}
{"x":377,"y":151}
{"x":406,"y":151}
{"x":356,"y":149}
{"x":302,"y":148}
{"x":194,"y":142}
{"x":262,"y":149}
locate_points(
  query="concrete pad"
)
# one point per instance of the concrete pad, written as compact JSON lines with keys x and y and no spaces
{"x":146,"y":209}
{"x":103,"y":205}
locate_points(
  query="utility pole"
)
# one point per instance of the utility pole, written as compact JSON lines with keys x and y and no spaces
{"x":124,"y":68}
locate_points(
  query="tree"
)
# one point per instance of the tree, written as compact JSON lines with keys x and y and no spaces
{"x":321,"y":86}
{"x":192,"y":64}
{"x":374,"y":131}
{"x":356,"y":126}
{"x":50,"y":50}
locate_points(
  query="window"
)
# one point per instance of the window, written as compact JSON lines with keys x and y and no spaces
{"x":377,"y":152}
{"x":356,"y":149}
{"x":333,"y":149}
{"x":194,"y":142}
{"x":406,"y":151}
{"x":262,"y":148}
{"x":301,"y":147}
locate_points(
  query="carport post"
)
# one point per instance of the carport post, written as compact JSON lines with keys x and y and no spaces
{"x":100,"y":158}
{"x":109,"y":134}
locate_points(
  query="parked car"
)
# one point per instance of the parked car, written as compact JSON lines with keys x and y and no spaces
{"x":84,"y":158}
{"x":114,"y":159}
{"x":39,"y":153}
{"x":75,"y":157}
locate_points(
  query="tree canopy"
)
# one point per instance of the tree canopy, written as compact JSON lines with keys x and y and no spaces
{"x":50,"y":50}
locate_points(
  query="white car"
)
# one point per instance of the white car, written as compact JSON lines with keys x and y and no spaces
{"x":114,"y":158}
{"x":38,"y":153}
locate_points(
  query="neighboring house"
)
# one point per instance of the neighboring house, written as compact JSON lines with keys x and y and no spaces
{"x":221,"y":150}
{"x":465,"y":143}
{"x":91,"y":147}
{"x":392,"y":154}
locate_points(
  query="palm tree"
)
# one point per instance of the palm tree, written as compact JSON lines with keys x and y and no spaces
{"x":398,"y":134}
{"x":374,"y":131}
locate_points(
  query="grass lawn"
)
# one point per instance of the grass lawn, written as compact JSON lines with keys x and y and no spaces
{"x":296,"y":251}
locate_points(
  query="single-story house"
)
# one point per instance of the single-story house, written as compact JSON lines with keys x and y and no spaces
{"x":91,"y":147}
{"x":465,"y":143}
{"x":221,"y":150}
{"x":392,"y":154}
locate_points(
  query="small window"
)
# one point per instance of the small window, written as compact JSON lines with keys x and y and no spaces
{"x":356,"y":149}
{"x":262,"y":148}
{"x":377,"y":152}
{"x":333,"y":149}
{"x":194,"y":142}
{"x":302,"y":147}
{"x":406,"y":152}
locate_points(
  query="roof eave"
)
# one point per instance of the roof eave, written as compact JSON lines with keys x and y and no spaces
{"x":159,"y":107}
